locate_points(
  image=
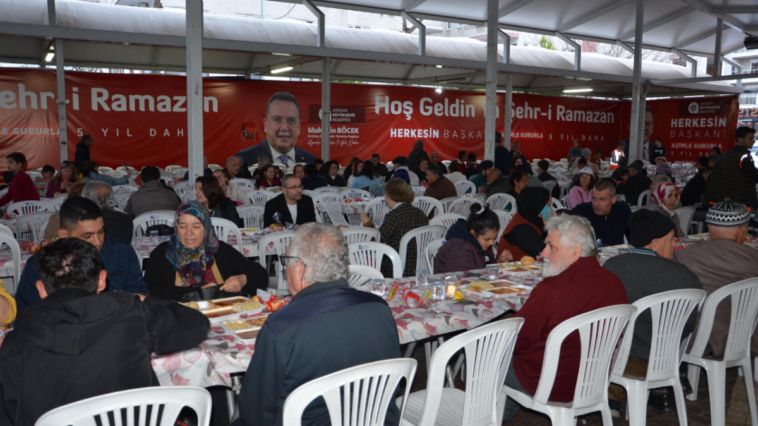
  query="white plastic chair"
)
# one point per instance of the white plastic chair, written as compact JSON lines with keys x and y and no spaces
{"x":465,"y":187}
{"x":281,"y":242}
{"x":7,"y":231}
{"x":488,"y":350}
{"x":32,"y":225}
{"x":431,"y":252}
{"x":104,"y":169}
{"x":504,"y":202}
{"x":371,"y":254}
{"x":214,"y":167}
{"x":168,"y":178}
{"x":244,"y":184}
{"x":360,"y":274}
{"x":685,"y":220}
{"x":462,"y":205}
{"x":330,"y":203}
{"x":428,"y":205}
{"x":179,"y":172}
{"x":743,"y":296}
{"x":260,"y":197}
{"x":308,"y":192}
{"x":122,"y":199}
{"x":252,"y":215}
{"x":170,"y":400}
{"x":57,"y":201}
{"x":447,"y":201}
{"x":355,"y":396}
{"x":145,"y":220}
{"x":11,"y":241}
{"x":447,"y":220}
{"x":418,"y":191}
{"x":670,"y":311}
{"x":119,"y":189}
{"x":556,"y":204}
{"x":642,"y":199}
{"x":185,"y":190}
{"x":328,"y":190}
{"x":599,"y":333}
{"x":224,"y":227}
{"x":170,"y":168}
{"x":360,"y":235}
{"x":26,"y":207}
{"x":504,"y":218}
{"x":355,"y":193}
{"x":423,"y":236}
{"x":116,"y":174}
{"x":377,"y":209}
{"x":550,"y":184}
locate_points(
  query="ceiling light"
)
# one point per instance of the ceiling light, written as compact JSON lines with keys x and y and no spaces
{"x":438,"y":90}
{"x":277,"y":71}
{"x":49,"y":57}
{"x":280,"y":54}
{"x":577,"y":90}
{"x":439,"y":66}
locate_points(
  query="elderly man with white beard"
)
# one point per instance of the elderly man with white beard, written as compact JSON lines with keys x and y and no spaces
{"x":574,"y":283}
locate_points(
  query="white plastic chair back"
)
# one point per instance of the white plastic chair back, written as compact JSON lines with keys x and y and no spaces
{"x":355,"y":193}
{"x":371,"y":254}
{"x":5,"y":230}
{"x":119,"y":189}
{"x":462,"y":205}
{"x":170,"y":168}
{"x":145,"y":220}
{"x":179,"y":172}
{"x":11,"y":241}
{"x":27,"y":207}
{"x":504,"y":202}
{"x":423,"y":236}
{"x":57,"y":201}
{"x":308,"y":192}
{"x":252,"y":215}
{"x":357,"y":396}
{"x":418,"y":191}
{"x":281,"y":242}
{"x":224,"y":227}
{"x":685,"y":219}
{"x":360,"y":275}
{"x":360,"y":235}
{"x":32,"y":226}
{"x":377,"y":209}
{"x":550,"y":184}
{"x":244,"y":184}
{"x":447,"y":220}
{"x":488,"y":350}
{"x":168,"y":401}
{"x":431,"y":252}
{"x":327,"y":190}
{"x":330,"y":203}
{"x":670,"y":311}
{"x":556,"y":204}
{"x":116,"y":174}
{"x":642,"y":199}
{"x":182,"y":189}
{"x":465,"y":187}
{"x":168,"y":178}
{"x":260,"y":197}
{"x":214,"y":167}
{"x":428,"y":205}
{"x":122,"y":199}
{"x":504,"y":218}
{"x":122,"y":168}
{"x":104,"y":169}
{"x":599,"y":333}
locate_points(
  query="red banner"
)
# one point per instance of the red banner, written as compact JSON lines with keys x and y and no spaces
{"x":690,"y":127}
{"x":142,"y":119}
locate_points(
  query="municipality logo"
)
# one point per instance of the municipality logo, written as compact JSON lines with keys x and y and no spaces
{"x":693,"y":108}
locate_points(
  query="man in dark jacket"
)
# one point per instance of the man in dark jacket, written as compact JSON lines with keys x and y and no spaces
{"x":544,"y":176}
{"x":305,"y":340}
{"x":82,"y":219}
{"x":502,"y":154}
{"x":235,"y":169}
{"x":312,"y":180}
{"x":735,"y":174}
{"x":637,"y":183}
{"x":380,"y":169}
{"x":497,"y":183}
{"x":608,"y":218}
{"x":439,"y":187}
{"x":152,"y":196}
{"x":77,"y":343}
{"x":292,"y":206}
{"x":693,"y":191}
{"x":83,"y":152}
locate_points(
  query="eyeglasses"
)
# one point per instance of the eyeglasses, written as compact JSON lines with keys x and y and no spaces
{"x":294,"y":187}
{"x":286,"y":260}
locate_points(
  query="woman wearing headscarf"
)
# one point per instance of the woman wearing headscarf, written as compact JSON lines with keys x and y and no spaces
{"x":525,"y":233}
{"x":663,"y":199}
{"x":194,"y":260}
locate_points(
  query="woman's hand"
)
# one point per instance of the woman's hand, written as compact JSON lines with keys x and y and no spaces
{"x":505,"y":256}
{"x":365,"y":218}
{"x":234,"y":284}
{"x":209,"y":285}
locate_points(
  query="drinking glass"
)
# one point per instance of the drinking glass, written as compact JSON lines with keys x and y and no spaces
{"x":438,"y":291}
{"x":422,"y":277}
{"x":492,"y":272}
{"x":378,"y":287}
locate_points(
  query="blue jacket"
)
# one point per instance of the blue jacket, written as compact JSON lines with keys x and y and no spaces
{"x":503,"y":160}
{"x":610,"y":229}
{"x":119,"y":259}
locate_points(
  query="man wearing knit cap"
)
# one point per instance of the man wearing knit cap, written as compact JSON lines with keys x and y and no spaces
{"x":646,"y":271}
{"x":720,"y":261}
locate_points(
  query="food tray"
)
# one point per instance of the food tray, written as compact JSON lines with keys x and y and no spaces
{"x":512,"y":290}
{"x":247,"y":334}
{"x":231,"y":301}
{"x":216,"y":314}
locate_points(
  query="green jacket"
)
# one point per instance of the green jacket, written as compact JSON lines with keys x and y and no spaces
{"x":479,"y":180}
{"x":501,"y":185}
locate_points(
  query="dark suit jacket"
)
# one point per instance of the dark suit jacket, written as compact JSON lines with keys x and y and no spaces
{"x":306,"y":212}
{"x":118,"y":225}
{"x":243,"y":174}
{"x":250,"y":155}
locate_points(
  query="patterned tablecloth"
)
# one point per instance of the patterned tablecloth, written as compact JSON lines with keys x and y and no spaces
{"x":353,"y":207}
{"x":221,"y":354}
{"x":9,"y":222}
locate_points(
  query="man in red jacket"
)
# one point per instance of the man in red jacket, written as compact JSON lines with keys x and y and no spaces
{"x":574,"y":283}
{"x":22,"y":187}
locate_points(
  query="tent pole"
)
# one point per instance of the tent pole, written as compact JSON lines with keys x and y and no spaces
{"x":194,"y":54}
{"x":490,"y":108}
{"x":635,"y":128}
{"x":60,"y":76}
{"x":326,"y":109}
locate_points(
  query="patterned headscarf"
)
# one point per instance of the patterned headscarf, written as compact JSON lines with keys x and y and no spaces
{"x":663,"y":169}
{"x":661,"y":193}
{"x":191,"y":264}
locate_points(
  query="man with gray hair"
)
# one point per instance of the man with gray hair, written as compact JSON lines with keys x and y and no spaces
{"x":235,"y":169}
{"x":574,"y":283}
{"x":326,"y":327}
{"x":608,"y":218}
{"x":117,"y":224}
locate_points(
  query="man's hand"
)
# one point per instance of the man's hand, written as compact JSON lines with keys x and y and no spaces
{"x":234,"y":284}
{"x":505,"y":256}
{"x":128,"y":172}
{"x":482,"y":190}
{"x":365,"y":218}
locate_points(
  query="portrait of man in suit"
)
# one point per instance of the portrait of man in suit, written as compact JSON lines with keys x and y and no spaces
{"x":282,"y":128}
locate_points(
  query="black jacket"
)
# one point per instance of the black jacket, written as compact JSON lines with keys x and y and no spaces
{"x":322,"y":330}
{"x":609,"y":229}
{"x":306,"y":211}
{"x":227,"y":209}
{"x":118,"y":225}
{"x":82,"y":155}
{"x":160,"y":275}
{"x":313,"y":182}
{"x":633,"y":187}
{"x":75,"y":345}
{"x":693,"y":191}
{"x":336,"y":181}
{"x":250,"y":155}
{"x":244,"y":173}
